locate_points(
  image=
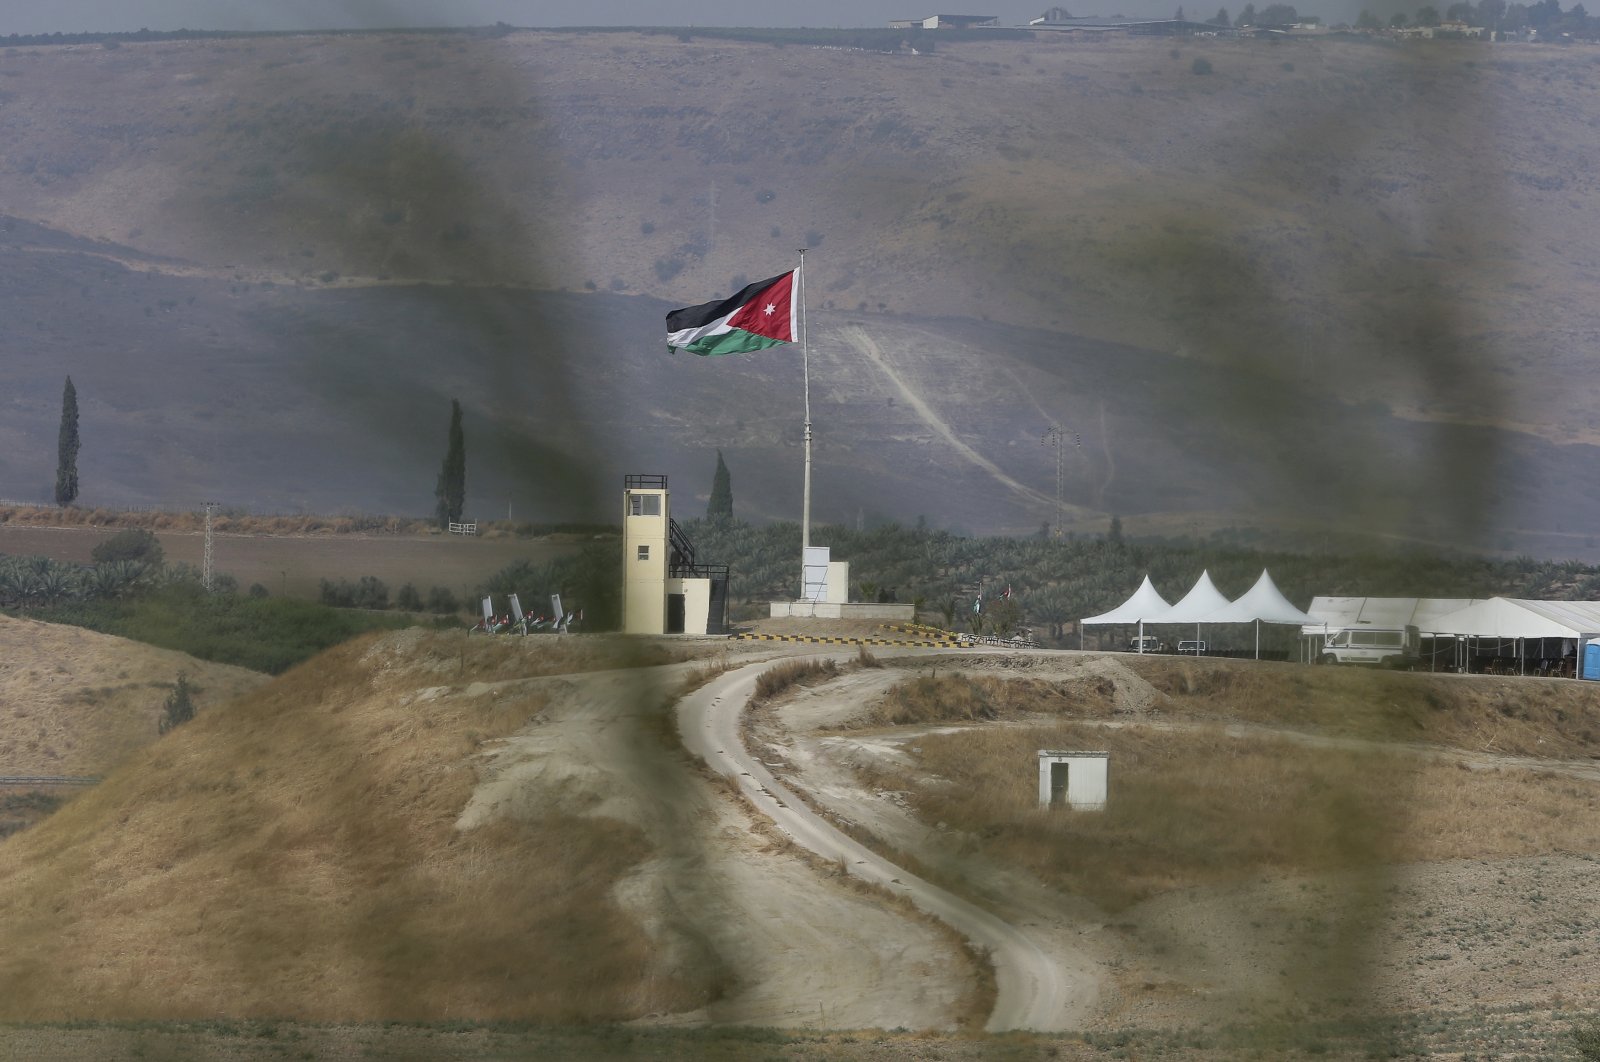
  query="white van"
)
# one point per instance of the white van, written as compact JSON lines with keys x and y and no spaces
{"x":1387,"y":647}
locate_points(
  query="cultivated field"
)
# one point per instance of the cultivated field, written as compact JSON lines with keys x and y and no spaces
{"x":295,"y":564}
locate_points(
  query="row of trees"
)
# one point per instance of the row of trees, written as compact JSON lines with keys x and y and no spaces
{"x":1055,"y":583}
{"x":1545,"y":16}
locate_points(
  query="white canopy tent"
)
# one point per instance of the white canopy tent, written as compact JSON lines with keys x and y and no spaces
{"x":1262,"y":603}
{"x":1144,"y":603}
{"x":1503,"y":618}
{"x":1353,"y":613}
{"x":1197,"y":605}
{"x":1518,"y":621}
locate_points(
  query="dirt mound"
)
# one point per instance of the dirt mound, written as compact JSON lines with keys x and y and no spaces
{"x":73,"y":702}
{"x":298,"y":855}
{"x":431,"y":826}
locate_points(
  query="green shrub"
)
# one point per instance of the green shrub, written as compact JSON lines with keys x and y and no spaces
{"x":134,"y":544}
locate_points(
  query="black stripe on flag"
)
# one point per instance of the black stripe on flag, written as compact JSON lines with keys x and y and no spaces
{"x":706,"y":312}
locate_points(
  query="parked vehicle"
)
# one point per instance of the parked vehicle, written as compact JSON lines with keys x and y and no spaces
{"x":1192,"y":647}
{"x":1387,"y":647}
{"x":1148,"y":644}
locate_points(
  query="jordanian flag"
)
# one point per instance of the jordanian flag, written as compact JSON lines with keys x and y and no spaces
{"x":760,"y":316}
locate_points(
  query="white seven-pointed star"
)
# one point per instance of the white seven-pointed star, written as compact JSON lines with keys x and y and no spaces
{"x":771,"y":309}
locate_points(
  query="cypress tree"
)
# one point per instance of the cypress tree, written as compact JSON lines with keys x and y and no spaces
{"x":67,"y":447}
{"x":720,"y":507}
{"x":451,"y":490}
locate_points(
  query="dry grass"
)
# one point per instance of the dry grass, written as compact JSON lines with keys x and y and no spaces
{"x":961,"y":698}
{"x":1514,"y":716}
{"x":73,"y":702}
{"x":1204,"y":808}
{"x":775,"y":680}
{"x":296,"y":856}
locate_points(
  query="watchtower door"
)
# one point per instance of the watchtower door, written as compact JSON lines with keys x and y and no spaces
{"x":674,"y":613}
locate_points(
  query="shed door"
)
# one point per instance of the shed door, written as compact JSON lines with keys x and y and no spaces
{"x":1058,"y":783}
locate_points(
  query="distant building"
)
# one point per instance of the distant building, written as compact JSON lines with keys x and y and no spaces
{"x":934,"y":22}
{"x":1054,"y":21}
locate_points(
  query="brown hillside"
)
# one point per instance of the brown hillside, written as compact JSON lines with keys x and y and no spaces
{"x":73,"y":702}
{"x":1219,"y":280}
{"x":431,"y":826}
{"x":297,"y":855}
{"x":1397,"y":207}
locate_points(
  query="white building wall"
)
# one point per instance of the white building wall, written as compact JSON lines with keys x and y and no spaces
{"x":838,"y":591}
{"x":1087,"y":774}
{"x":696,"y":603}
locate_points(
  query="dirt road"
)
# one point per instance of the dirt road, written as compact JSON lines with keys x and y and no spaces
{"x":720,"y":898}
{"x":1034,"y":992}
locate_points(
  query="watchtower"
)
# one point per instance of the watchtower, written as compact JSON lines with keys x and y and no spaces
{"x":665,"y":588}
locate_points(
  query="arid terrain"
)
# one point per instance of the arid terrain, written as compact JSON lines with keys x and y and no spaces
{"x":1294,"y":862}
{"x":77,"y":703}
{"x":271,"y":262}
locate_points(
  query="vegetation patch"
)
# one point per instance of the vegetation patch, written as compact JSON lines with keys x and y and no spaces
{"x":960,"y":698}
{"x":775,"y":680}
{"x":260,"y":633}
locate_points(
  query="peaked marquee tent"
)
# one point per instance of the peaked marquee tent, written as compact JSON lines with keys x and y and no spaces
{"x":1262,"y":603}
{"x":1202,"y":600}
{"x":1145,"y":603}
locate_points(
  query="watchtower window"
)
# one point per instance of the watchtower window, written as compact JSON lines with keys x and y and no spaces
{"x":644,"y":505}
{"x":644,"y":552}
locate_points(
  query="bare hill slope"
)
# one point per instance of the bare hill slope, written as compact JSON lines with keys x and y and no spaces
{"x":1407,"y":227}
{"x":73,"y":702}
{"x":432,"y":827}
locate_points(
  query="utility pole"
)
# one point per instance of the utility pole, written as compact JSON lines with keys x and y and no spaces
{"x":205,"y":567}
{"x":1058,"y":438}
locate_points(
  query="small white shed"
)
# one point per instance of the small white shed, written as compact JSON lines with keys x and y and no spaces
{"x":1073,"y":779}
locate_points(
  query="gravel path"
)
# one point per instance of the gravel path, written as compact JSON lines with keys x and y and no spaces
{"x":1033,"y":990}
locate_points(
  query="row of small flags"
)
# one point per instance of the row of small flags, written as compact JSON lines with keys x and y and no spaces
{"x":977,"y":602}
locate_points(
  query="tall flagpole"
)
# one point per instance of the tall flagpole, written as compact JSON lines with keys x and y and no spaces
{"x":805,"y":361}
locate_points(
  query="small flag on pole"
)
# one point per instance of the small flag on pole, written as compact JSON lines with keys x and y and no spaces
{"x":761,"y":315}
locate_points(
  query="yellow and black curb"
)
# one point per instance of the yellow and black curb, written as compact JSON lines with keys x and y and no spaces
{"x":817,"y":639}
{"x":927,"y":632}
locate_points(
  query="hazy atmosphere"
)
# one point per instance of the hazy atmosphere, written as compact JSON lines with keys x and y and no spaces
{"x":473,"y":587}
{"x":76,"y":16}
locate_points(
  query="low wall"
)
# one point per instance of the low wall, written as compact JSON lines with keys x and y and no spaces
{"x":861,"y":610}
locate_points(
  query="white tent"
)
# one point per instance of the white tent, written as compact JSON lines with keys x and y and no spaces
{"x":1197,"y":605}
{"x":1143,"y":604}
{"x":1262,"y":603}
{"x":1353,"y":613}
{"x":1499,"y":617}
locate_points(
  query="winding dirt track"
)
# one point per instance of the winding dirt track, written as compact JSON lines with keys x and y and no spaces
{"x":1033,"y":990}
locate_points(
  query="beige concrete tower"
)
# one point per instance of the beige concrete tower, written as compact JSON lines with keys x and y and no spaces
{"x":645,"y":520}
